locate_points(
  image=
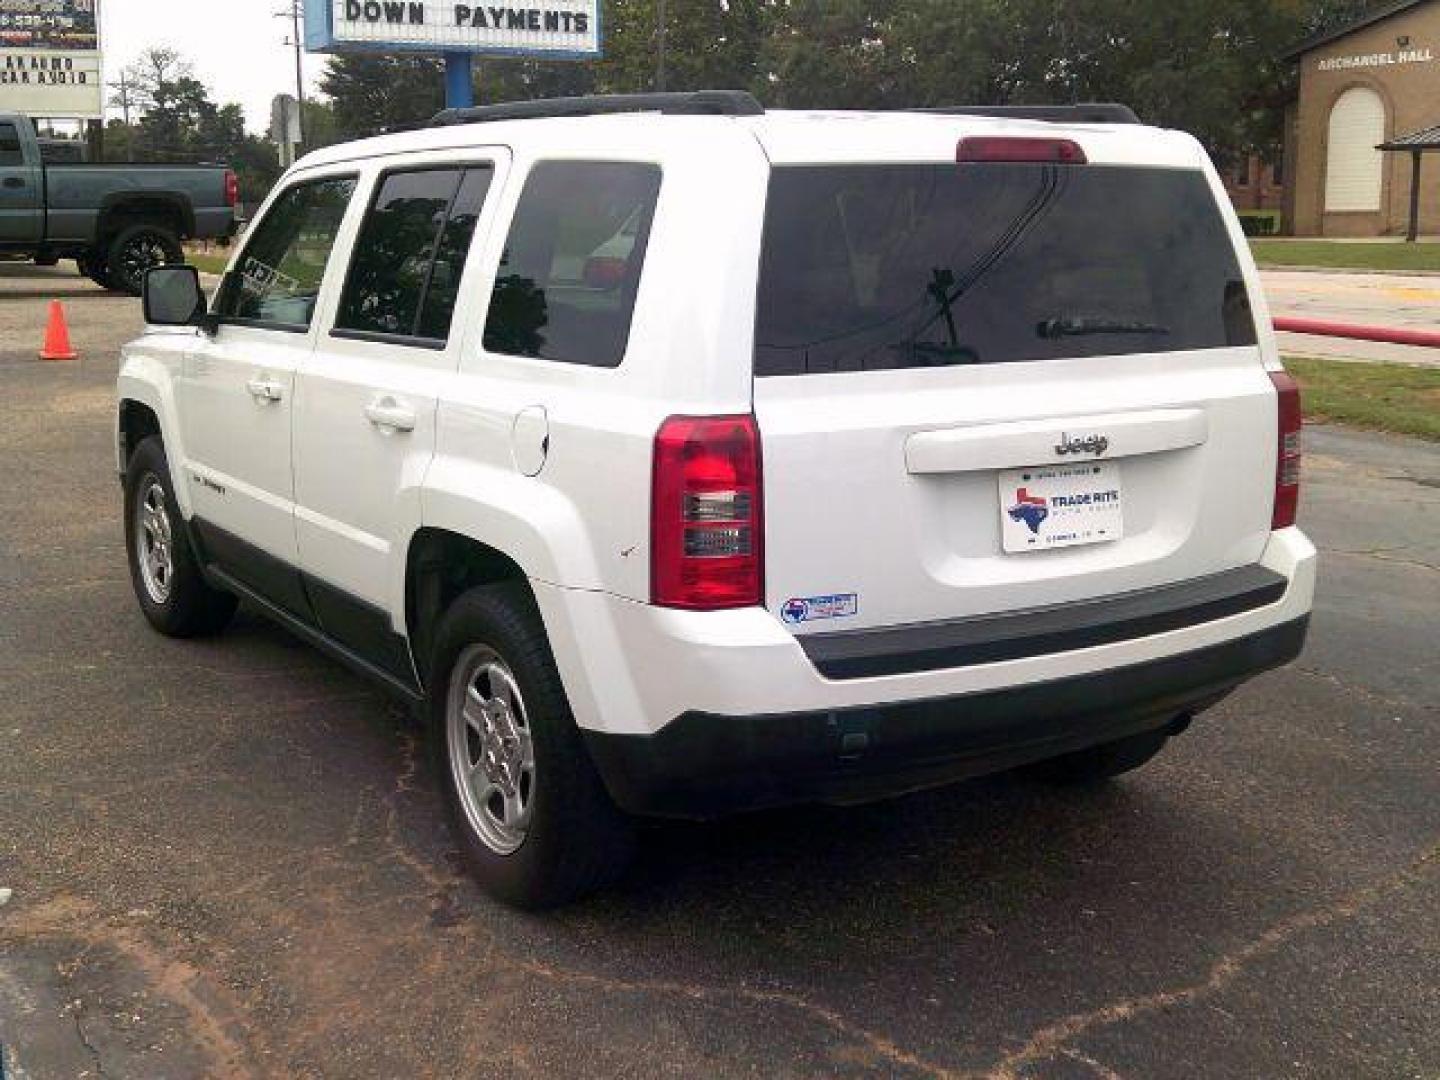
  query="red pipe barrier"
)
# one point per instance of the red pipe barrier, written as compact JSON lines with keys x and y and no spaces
{"x":1391,"y":335}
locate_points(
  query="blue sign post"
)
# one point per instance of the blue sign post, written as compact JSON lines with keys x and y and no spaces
{"x":551,"y":30}
{"x":459,"y":81}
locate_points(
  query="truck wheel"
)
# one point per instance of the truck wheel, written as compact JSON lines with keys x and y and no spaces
{"x":137,"y":251}
{"x":533,"y":818}
{"x":46,"y":258}
{"x":166,"y":574}
{"x":1100,"y":763}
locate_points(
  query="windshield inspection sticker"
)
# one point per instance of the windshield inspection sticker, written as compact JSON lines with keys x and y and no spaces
{"x":811,"y":608}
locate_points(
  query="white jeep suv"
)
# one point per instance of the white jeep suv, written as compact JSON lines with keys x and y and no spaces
{"x":684,"y":458}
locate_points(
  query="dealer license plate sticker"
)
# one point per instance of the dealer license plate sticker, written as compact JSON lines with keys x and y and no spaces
{"x":1056,"y":506}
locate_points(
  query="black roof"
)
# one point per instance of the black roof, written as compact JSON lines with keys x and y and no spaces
{"x":1310,"y":44}
{"x":1424,"y":139}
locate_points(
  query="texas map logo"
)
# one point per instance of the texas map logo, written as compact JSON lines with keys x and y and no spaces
{"x":1031,"y":509}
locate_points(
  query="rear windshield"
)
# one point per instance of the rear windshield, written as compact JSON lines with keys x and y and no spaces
{"x":879,"y":267}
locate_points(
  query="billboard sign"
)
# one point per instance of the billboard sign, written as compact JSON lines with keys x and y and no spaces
{"x":50,"y":58}
{"x":549,"y":29}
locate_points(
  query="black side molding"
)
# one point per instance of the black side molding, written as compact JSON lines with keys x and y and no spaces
{"x":1015,"y":635}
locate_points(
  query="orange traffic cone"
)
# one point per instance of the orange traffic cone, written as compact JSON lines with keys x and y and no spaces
{"x":57,"y":336}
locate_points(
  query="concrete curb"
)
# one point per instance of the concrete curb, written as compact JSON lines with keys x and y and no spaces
{"x":1266,"y":268}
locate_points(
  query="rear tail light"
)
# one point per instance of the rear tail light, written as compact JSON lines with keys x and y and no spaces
{"x":1013,"y":150}
{"x":1287,"y":466}
{"x":232,"y":188}
{"x":707,"y":518}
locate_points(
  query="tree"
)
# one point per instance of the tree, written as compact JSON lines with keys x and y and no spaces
{"x":370,"y":93}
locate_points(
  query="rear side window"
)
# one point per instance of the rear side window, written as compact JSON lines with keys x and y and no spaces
{"x":277,"y":280}
{"x":10,"y":152}
{"x":872,"y":268}
{"x":571,"y":269}
{"x":410,"y":254}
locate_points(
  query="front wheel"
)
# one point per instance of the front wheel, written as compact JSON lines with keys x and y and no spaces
{"x":138,"y":250}
{"x":166,"y":575}
{"x":532,"y":816}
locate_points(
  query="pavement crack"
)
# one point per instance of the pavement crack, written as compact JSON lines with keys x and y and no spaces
{"x":1387,"y":555}
{"x":1053,"y":1039}
{"x":394,"y":843}
{"x":1352,"y":688}
{"x":1099,"y":1068}
{"x":78,"y":1015}
{"x":880,"y":1046}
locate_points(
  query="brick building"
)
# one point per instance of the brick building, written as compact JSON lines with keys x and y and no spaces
{"x":1375,"y":82}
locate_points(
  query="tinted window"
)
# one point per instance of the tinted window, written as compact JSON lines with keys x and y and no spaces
{"x":410,"y":253}
{"x":277,"y":280}
{"x":10,"y":153}
{"x":878,"y":267}
{"x":439,"y":305}
{"x":571,"y":269}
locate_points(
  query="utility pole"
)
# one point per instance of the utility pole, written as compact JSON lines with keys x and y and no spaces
{"x":660,"y":46}
{"x":294,"y":15}
{"x":122,"y":97}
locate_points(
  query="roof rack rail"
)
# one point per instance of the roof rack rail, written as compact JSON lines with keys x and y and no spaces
{"x":693,"y":103}
{"x":1090,"y":113}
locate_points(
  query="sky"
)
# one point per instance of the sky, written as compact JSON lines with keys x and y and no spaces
{"x":236,"y":47}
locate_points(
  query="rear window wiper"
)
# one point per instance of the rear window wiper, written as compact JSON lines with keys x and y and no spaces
{"x":1079,"y":327}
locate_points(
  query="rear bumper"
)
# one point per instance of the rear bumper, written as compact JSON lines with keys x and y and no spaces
{"x":681,"y":706}
{"x":704,"y":765}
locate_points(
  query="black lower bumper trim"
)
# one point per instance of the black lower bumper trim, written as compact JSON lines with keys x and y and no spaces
{"x":704,"y":765}
{"x":1014,"y":635}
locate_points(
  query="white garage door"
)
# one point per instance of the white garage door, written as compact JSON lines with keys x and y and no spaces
{"x":1355,"y":168}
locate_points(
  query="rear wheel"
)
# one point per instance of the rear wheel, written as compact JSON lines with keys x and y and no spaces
{"x":166,"y":574}
{"x":1104,"y":762}
{"x":532,"y":816}
{"x":138,"y":250}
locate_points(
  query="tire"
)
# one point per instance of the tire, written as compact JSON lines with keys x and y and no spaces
{"x":1097,"y":764}
{"x":46,"y":259}
{"x":137,"y":250}
{"x":533,"y":820}
{"x":164,"y":571}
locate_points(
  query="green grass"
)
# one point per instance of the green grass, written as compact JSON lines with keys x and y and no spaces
{"x":214,"y":263}
{"x":1397,"y":258}
{"x":1383,"y":397}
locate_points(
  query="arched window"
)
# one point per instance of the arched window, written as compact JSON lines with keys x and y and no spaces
{"x":1355,"y":169}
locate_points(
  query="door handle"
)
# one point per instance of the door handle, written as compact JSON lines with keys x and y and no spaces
{"x":388,"y":414}
{"x":265,"y":390}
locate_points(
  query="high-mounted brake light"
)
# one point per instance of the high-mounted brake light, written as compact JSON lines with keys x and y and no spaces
{"x":997,"y":148}
{"x":707,"y":517}
{"x":1287,"y":465}
{"x":232,"y":188}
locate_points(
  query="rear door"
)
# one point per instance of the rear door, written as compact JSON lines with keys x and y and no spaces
{"x":22,"y":216}
{"x":996,"y":385}
{"x":366,"y":398}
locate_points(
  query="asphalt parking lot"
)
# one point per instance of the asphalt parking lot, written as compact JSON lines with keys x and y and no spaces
{"x":226,"y":858}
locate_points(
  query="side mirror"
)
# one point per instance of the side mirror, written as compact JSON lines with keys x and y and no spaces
{"x":173,"y":297}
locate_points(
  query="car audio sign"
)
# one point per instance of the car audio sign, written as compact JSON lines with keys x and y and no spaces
{"x":555,"y":28}
{"x":50,"y":58}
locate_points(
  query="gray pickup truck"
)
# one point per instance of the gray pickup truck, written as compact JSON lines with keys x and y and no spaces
{"x":115,"y":220}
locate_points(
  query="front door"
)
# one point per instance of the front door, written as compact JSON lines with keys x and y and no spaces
{"x":237,"y":391}
{"x":366,"y":398}
{"x":22,"y":208}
